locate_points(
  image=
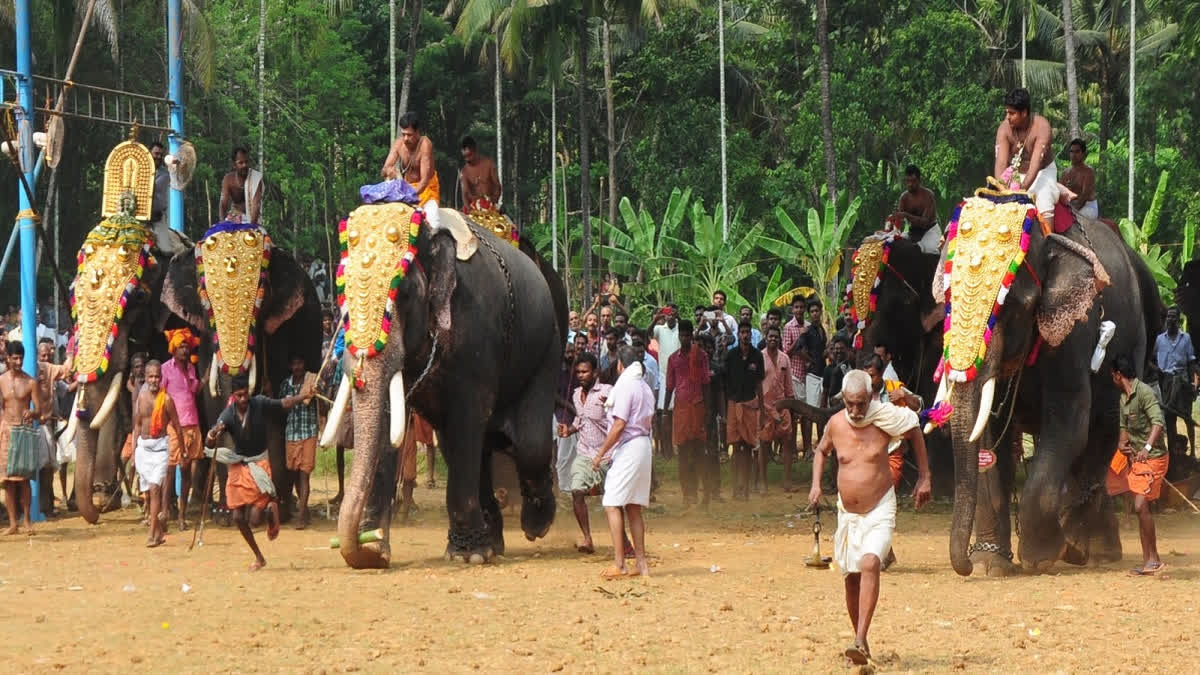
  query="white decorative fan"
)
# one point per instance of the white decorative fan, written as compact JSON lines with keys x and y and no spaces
{"x":181,"y":165}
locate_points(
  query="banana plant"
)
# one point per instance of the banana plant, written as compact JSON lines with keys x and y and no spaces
{"x":1157,"y":258}
{"x":696,"y":269}
{"x":634,"y":251}
{"x":777,"y":288}
{"x":817,"y":250}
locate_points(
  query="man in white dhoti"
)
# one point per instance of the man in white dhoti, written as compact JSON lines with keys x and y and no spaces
{"x":631,"y":407}
{"x":866,"y":499}
{"x":241,"y":190}
{"x":153,"y":412}
{"x":1023,"y":144}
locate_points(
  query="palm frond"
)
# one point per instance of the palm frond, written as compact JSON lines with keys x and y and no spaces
{"x":104,"y":18}
{"x":202,"y":44}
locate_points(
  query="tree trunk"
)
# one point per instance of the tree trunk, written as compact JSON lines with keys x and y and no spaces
{"x":723,"y":137}
{"x":406,"y":79}
{"x":391,"y":69}
{"x":499,"y":117}
{"x":585,"y":160}
{"x":826,"y":102}
{"x":262,"y":115}
{"x":1132,"y":99}
{"x":1105,"y":112}
{"x":1072,"y":82}
{"x":554,"y":174}
{"x":612,"y":128}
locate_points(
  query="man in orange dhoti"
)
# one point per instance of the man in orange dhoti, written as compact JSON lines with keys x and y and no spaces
{"x":413,"y":152}
{"x":777,"y":424}
{"x":249,"y":490}
{"x":687,"y":380}
{"x":1140,"y":464}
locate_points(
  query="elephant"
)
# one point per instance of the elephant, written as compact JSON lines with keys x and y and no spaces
{"x":250,"y":303}
{"x":472,"y":343}
{"x":1028,"y":326}
{"x":115,"y":302}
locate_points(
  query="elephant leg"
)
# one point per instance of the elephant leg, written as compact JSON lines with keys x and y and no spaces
{"x":277,"y":455}
{"x":993,"y":524}
{"x":1089,"y":525}
{"x":469,"y":538}
{"x":492,"y":516}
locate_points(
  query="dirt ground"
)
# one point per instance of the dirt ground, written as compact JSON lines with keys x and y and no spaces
{"x":729,"y":593}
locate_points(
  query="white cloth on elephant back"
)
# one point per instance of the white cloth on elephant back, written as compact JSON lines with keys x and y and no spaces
{"x":150,"y":459}
{"x":1044,"y":189}
{"x":861,"y":533}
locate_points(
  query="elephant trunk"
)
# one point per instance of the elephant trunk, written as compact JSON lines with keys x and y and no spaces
{"x":371,"y":443}
{"x":85,"y":467}
{"x":966,"y":474}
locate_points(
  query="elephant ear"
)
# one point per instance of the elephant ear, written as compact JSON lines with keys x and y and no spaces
{"x":1074,"y":277}
{"x":180,"y":291}
{"x":443,"y":279}
{"x":290,"y":290}
{"x":1187,"y":292}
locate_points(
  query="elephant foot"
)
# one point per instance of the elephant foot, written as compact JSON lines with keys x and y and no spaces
{"x":537,"y":513}
{"x":495,"y":525}
{"x":376,"y":555}
{"x":1105,"y":548}
{"x":473,"y":547}
{"x":106,"y":498}
{"x":993,"y":563}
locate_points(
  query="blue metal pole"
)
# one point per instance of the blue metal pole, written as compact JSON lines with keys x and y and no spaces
{"x":175,"y":93}
{"x":24,"y":17}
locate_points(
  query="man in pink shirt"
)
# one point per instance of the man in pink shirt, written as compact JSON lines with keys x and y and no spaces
{"x":777,"y":424}
{"x":793,"y":346}
{"x":181,"y":384}
{"x":591,"y":425}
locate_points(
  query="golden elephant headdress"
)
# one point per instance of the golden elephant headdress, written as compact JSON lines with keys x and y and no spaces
{"x":379,"y":244}
{"x":986,"y":243}
{"x":231,"y":264}
{"x":110,"y":266}
{"x":862,"y":292}
{"x":113,"y":258}
{"x":485,"y":213}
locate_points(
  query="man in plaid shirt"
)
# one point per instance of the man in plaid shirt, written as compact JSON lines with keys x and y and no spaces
{"x":794,"y":346}
{"x":300,"y":435}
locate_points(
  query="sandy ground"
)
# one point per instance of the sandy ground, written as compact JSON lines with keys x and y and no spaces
{"x":729,"y":593}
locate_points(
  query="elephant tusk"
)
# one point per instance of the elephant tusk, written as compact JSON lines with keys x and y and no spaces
{"x":73,"y":421}
{"x":399,"y":416}
{"x":253,"y":373}
{"x":329,"y":437}
{"x":938,"y":398}
{"x":985,"y":408}
{"x":110,"y":400}
{"x":213,"y":371}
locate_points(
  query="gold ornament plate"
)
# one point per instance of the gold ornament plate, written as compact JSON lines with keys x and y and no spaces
{"x":233,"y":268}
{"x":987,"y":241}
{"x":866,"y":270}
{"x":110,"y":264}
{"x":128,"y":171}
{"x":376,"y":238}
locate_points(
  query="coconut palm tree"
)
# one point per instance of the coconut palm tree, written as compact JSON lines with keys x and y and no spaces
{"x":1069,"y":60}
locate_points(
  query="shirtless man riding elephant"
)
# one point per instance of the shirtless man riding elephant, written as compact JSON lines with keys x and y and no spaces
{"x":414,"y":153}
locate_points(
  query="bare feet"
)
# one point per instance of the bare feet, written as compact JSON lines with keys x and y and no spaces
{"x":258,"y":565}
{"x":303,"y":520}
{"x":858,"y":654}
{"x":153,"y":542}
{"x":183,"y":526}
{"x":586,"y":547}
{"x":11,"y":530}
{"x":643,"y":569}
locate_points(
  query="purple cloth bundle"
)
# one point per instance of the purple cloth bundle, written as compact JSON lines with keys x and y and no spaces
{"x":388,"y":191}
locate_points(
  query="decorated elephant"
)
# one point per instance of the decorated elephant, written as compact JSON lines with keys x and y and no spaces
{"x":1026,"y":313}
{"x":254,"y":307}
{"x":115,"y":305}
{"x":890,"y":303}
{"x":468,"y":330}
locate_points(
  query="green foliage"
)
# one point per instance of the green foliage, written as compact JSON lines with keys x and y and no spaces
{"x":1157,"y":258}
{"x":819,"y":248}
{"x":695,"y":269}
{"x":633,"y":252}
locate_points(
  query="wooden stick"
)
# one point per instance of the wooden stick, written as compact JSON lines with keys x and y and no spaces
{"x":212,"y":474}
{"x":1180,"y":493}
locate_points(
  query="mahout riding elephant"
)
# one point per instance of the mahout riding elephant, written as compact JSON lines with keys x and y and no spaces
{"x":472,"y":341}
{"x":253,"y":307}
{"x":1025,"y":312}
{"x":115,"y":304}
